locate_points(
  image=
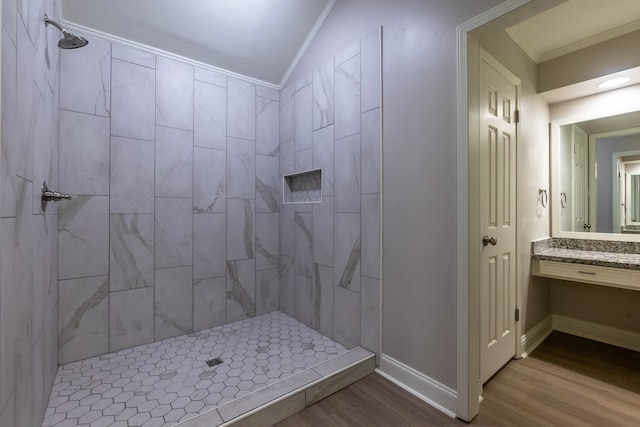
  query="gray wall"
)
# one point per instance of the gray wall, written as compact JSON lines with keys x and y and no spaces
{"x":330,"y":252}
{"x":173,"y":226}
{"x":28,"y":238}
{"x":419,"y":186}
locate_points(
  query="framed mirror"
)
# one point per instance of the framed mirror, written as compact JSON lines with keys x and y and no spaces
{"x":595,"y":167}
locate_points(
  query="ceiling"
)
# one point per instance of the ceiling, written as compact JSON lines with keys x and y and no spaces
{"x":573,"y":25}
{"x":261,"y":40}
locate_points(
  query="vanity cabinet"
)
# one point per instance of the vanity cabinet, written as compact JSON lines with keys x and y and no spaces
{"x":598,"y":275}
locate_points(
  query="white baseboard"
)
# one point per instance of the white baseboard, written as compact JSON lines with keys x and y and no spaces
{"x":420,"y":385}
{"x":597,"y":332}
{"x":534,"y":337}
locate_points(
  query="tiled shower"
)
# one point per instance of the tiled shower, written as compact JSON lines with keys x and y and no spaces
{"x":176,"y":222}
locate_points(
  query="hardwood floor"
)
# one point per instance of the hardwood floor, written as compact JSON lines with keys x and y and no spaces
{"x":566,"y":381}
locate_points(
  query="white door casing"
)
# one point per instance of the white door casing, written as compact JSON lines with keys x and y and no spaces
{"x":498,"y":136}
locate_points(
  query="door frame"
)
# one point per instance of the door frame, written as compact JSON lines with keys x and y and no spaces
{"x":468,"y":332}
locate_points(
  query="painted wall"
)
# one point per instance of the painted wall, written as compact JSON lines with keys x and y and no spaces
{"x":533,"y":174}
{"x":330,"y":251}
{"x":28,"y":237}
{"x":419,"y":204}
{"x":173,"y":225}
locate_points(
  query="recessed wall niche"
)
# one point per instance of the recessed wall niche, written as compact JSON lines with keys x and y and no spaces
{"x":302,"y":187}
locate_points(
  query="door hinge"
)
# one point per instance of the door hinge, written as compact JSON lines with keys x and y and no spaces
{"x":517,"y":314}
{"x":517,"y":116}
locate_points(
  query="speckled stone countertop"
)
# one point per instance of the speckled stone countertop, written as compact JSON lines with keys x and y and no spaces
{"x":588,"y":252}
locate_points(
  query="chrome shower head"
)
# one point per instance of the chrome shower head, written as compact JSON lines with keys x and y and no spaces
{"x":70,"y":40}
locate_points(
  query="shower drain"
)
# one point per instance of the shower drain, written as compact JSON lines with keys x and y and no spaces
{"x":214,"y":362}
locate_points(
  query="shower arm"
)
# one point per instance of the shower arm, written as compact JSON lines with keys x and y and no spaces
{"x":48,"y":21}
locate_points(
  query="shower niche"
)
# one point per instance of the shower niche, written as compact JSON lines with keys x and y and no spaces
{"x":302,"y":187}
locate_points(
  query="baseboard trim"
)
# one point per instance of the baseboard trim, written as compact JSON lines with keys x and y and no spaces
{"x":534,"y":336}
{"x":597,"y":332}
{"x":420,"y":385}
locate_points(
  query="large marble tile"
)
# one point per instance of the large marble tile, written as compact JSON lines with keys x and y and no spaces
{"x":241,"y":169}
{"x":9,"y":125}
{"x":46,"y":155}
{"x":85,"y":79}
{"x":287,"y":281}
{"x":370,"y":315}
{"x":324,"y":158}
{"x":348,"y":248}
{"x":370,"y":218}
{"x":287,"y":114}
{"x":304,"y":160}
{"x":10,"y":308}
{"x":303,"y":81}
{"x":347,"y":53}
{"x":209,"y":181}
{"x":131,"y":318}
{"x":173,"y":302}
{"x":241,"y":290}
{"x":210,"y":116}
{"x":133,"y":100}
{"x":370,"y":146}
{"x":26,"y":407}
{"x":347,"y":320}
{"x":287,"y":158}
{"x":323,"y":95}
{"x":174,"y":94}
{"x":303,"y":299}
{"x":83,"y":318}
{"x":173,"y":233}
{"x":267,"y":290}
{"x":84,"y":154}
{"x":174,"y":162}
{"x":323,"y":232}
{"x":84,"y":237}
{"x":241,"y":109}
{"x":135,"y":56}
{"x":347,"y":174}
{"x":303,"y":118}
{"x":267,"y":93}
{"x":131,"y":251}
{"x":209,"y":245}
{"x":132,"y":179}
{"x":347,"y":107}
{"x":323,"y":293}
{"x":267,"y":241}
{"x":267,"y":122}
{"x":210,"y":76}
{"x":9,"y":19}
{"x":370,"y":69}
{"x":267,"y":184}
{"x":287,"y":231}
{"x":240,"y":229}
{"x":29,"y":103}
{"x":209,"y":302}
{"x":303,"y":238}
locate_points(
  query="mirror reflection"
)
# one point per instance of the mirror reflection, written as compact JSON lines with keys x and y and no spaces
{"x":600,"y":175}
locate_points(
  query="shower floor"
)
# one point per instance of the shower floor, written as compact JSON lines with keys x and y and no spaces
{"x":169,"y":381}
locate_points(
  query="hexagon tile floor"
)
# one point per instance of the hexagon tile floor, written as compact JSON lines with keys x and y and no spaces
{"x":168,"y":381}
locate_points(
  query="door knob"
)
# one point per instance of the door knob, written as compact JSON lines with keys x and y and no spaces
{"x":486,"y":240}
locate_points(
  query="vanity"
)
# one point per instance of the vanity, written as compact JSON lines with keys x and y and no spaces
{"x":599,"y":262}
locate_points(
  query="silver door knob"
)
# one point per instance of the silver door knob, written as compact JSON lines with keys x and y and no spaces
{"x":486,"y":240}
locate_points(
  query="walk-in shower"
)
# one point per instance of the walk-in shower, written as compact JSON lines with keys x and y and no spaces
{"x":70,"y":40}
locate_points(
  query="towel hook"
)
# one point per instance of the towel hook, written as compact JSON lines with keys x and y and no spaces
{"x":544,"y":197}
{"x":563,"y":199}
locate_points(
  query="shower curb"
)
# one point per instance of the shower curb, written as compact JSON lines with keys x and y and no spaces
{"x":284,"y":398}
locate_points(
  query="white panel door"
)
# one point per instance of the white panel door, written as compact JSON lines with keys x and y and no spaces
{"x":580,"y":183}
{"x":498,"y":101}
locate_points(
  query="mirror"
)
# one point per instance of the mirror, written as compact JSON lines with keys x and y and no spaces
{"x":596,"y":174}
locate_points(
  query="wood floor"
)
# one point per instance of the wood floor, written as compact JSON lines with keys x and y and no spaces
{"x":566,"y":381}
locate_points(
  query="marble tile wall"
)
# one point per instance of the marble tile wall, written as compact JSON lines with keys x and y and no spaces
{"x":29,"y":236}
{"x":174,"y":222}
{"x":330,"y":251}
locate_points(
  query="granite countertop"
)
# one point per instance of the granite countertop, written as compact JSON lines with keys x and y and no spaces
{"x":560,"y":251}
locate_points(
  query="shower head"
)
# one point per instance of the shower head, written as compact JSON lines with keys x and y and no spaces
{"x":70,"y":40}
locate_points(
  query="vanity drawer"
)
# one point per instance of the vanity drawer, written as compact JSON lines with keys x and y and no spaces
{"x":606,"y":276}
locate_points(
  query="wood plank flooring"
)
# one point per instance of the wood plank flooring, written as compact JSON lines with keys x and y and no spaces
{"x":566,"y":381}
